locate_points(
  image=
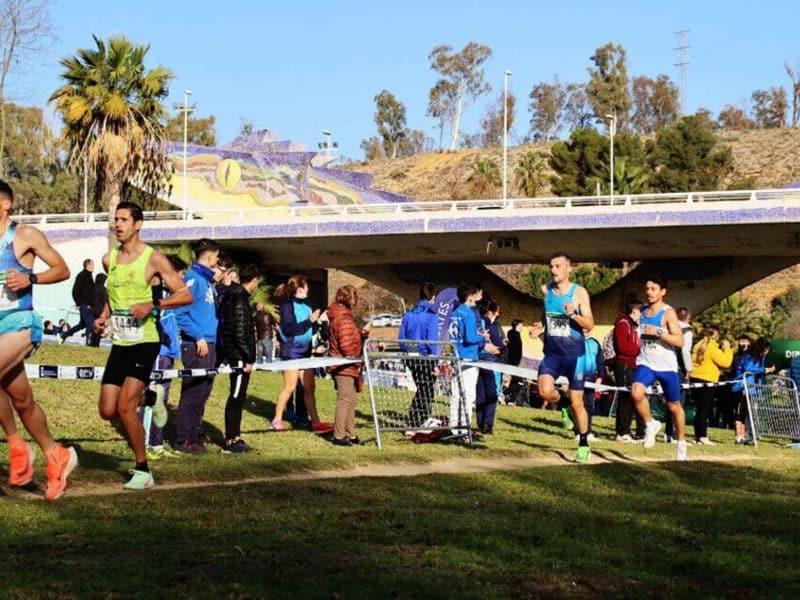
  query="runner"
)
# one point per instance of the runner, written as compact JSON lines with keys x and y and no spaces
{"x":657,"y":361}
{"x":20,"y":336}
{"x":567,"y":314}
{"x":132,"y":266}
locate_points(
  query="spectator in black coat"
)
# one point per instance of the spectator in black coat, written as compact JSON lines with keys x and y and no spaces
{"x":239,"y":346}
{"x":83,"y":296}
{"x":100,"y":299}
{"x":516,"y":388}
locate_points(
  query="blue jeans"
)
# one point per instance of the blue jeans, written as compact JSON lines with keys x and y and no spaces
{"x":86,"y":322}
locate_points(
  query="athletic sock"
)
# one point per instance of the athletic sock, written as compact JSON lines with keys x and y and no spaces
{"x":142,"y":466}
{"x":584,"y":441}
{"x":149,"y":398}
{"x":15,"y":440}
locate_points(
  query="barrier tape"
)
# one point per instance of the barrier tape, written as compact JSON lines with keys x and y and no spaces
{"x":72,"y":372}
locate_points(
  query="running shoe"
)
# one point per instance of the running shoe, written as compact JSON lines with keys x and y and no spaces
{"x":140,"y":480}
{"x":355,"y":441}
{"x":156,"y":452}
{"x":278,"y":425}
{"x":566,"y":420}
{"x":20,"y":471}
{"x":706,"y":442}
{"x":321,"y":428}
{"x":650,"y":433}
{"x":683,"y":450}
{"x":583,"y":454}
{"x":60,"y":463}
{"x":341,"y":442}
{"x":235,"y":447}
{"x":624,"y":439}
{"x":159,"y":408}
{"x":188,"y":448}
{"x":589,"y":438}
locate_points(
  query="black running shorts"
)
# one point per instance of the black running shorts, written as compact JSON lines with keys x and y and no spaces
{"x":130,"y":361}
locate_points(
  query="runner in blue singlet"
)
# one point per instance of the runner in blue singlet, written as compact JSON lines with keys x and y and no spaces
{"x":567,"y":313}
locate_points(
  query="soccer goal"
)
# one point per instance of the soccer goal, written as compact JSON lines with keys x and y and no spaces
{"x":774,"y":408}
{"x":412,"y":392}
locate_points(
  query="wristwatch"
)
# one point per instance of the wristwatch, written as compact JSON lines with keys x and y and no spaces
{"x":33,"y":278}
{"x":157,"y":303}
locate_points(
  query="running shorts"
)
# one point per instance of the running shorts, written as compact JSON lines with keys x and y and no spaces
{"x":563,"y":366}
{"x":21,"y":320}
{"x":134,"y":361}
{"x":670,"y":381}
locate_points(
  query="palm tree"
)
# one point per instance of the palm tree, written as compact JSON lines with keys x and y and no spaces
{"x":530,"y":174}
{"x":628,"y":178}
{"x":485,"y":178}
{"x":114,"y":119}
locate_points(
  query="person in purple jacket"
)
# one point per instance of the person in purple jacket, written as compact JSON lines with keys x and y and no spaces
{"x":486,"y":393}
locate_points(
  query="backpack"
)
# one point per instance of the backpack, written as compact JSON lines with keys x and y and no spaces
{"x":609,"y":348}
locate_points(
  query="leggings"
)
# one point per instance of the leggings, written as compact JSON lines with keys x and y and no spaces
{"x":704,"y":400}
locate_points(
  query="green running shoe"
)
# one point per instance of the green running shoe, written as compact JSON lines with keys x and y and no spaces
{"x":566,"y":420}
{"x":140,"y":480}
{"x":159,"y":408}
{"x":156,"y":453}
{"x":583,"y":454}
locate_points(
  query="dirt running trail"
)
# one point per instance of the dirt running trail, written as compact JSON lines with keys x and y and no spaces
{"x":465,"y":466}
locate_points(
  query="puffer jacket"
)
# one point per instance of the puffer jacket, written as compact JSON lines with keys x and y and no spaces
{"x":239,"y":332}
{"x":346,"y":339}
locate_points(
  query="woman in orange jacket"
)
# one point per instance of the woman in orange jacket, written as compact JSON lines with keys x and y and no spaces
{"x":708,"y":358}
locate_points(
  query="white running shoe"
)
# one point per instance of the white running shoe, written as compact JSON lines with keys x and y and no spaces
{"x":589,"y":438}
{"x":683,"y":450}
{"x":624,"y":439}
{"x":650,"y":433}
{"x":706,"y":442}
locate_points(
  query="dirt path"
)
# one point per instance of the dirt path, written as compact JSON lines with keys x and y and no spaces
{"x":463,"y":466}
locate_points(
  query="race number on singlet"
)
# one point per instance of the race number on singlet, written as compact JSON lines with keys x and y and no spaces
{"x":557,"y":325}
{"x":126,"y":327}
{"x":8,"y":299}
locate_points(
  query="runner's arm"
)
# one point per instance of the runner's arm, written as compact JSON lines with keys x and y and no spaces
{"x":582,"y":314}
{"x":672,"y":335}
{"x":179,"y":292}
{"x":37,"y":244}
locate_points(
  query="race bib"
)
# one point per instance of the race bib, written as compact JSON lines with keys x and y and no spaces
{"x":8,"y":299}
{"x":126,"y":327}
{"x":557,"y":325}
{"x":650,"y":342}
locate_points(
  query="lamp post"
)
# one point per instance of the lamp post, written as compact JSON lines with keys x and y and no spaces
{"x":612,"y":129}
{"x":506,"y":75}
{"x":185,"y":109}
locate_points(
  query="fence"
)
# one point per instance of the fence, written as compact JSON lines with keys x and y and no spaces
{"x":774,"y":408}
{"x":412,"y":392}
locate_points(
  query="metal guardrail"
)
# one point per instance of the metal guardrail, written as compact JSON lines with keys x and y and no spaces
{"x":426,"y":208}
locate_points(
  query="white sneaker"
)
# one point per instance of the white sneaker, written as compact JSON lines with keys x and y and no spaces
{"x":624,"y":439}
{"x":683,"y":450}
{"x":589,"y":438}
{"x":650,"y":433}
{"x":706,"y":442}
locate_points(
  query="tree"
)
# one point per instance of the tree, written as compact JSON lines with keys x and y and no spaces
{"x":485,"y":178}
{"x":114,"y":119}
{"x":464,"y":72}
{"x":769,"y":107}
{"x":733,"y":117}
{"x":685,"y":159}
{"x":492,"y":122}
{"x":201,"y":130}
{"x":577,"y":110}
{"x":390,"y":117}
{"x":530,"y":174}
{"x":24,"y":27}
{"x":442,"y":104}
{"x":734,"y":316}
{"x":655,"y":103}
{"x":595,"y":278}
{"x":794,"y":76}
{"x":414,"y":141}
{"x":547,"y":108}
{"x":607,"y":89}
{"x":628,"y":178}
{"x":246,"y":126}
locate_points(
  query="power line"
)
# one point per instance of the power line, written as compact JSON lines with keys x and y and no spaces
{"x":683,"y":62}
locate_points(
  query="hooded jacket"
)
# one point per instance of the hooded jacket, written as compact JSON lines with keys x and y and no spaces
{"x":346,"y":339}
{"x":198,"y":320}
{"x":626,"y":340}
{"x":464,"y":332}
{"x":420,"y":323}
{"x":295,"y":329}
{"x":239,"y":329}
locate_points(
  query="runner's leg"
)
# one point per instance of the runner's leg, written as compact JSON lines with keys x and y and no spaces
{"x":127,"y":407}
{"x":15,"y":384}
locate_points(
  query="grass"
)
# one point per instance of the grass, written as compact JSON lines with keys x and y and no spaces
{"x":626,"y":529}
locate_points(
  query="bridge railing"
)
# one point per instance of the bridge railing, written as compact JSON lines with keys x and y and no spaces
{"x":618,"y":202}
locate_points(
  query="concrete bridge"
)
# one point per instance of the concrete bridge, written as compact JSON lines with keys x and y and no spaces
{"x":707,"y":244}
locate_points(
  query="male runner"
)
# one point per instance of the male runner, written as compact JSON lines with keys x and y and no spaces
{"x":567,"y":314}
{"x":132,"y":266}
{"x":661,"y":335}
{"x":20,"y":336}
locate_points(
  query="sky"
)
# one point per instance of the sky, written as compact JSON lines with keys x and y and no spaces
{"x":301,"y":67}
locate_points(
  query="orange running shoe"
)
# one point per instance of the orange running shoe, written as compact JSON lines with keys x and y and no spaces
{"x":60,"y":463}
{"x":20,"y":471}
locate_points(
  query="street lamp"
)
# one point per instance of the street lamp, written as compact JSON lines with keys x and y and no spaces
{"x":506,"y":75}
{"x":612,"y":129}
{"x":327,"y":135}
{"x":186,"y":110}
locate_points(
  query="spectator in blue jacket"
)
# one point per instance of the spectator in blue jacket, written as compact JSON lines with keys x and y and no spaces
{"x":752,"y":366}
{"x":487,"y":389}
{"x":295,"y":331}
{"x":469,"y":342}
{"x":592,"y":365}
{"x":420,"y":324}
{"x":198,"y":326}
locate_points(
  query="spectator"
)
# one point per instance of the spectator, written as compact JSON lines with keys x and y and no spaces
{"x":684,"y":354}
{"x":83,"y":296}
{"x":198,"y":325}
{"x":49,"y":328}
{"x":63,"y":326}
{"x":421,"y":325}
{"x":752,"y":363}
{"x":346,"y":340}
{"x":100,"y":299}
{"x":239,"y":341}
{"x":265,"y":332}
{"x":486,"y":392}
{"x":516,"y":394}
{"x":223,"y":277}
{"x":708,"y":357}
{"x":593,"y":366}
{"x":626,"y":346}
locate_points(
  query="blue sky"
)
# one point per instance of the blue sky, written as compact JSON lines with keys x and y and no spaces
{"x":301,"y":67}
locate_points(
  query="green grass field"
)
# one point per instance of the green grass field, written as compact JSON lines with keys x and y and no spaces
{"x":620,"y":528}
